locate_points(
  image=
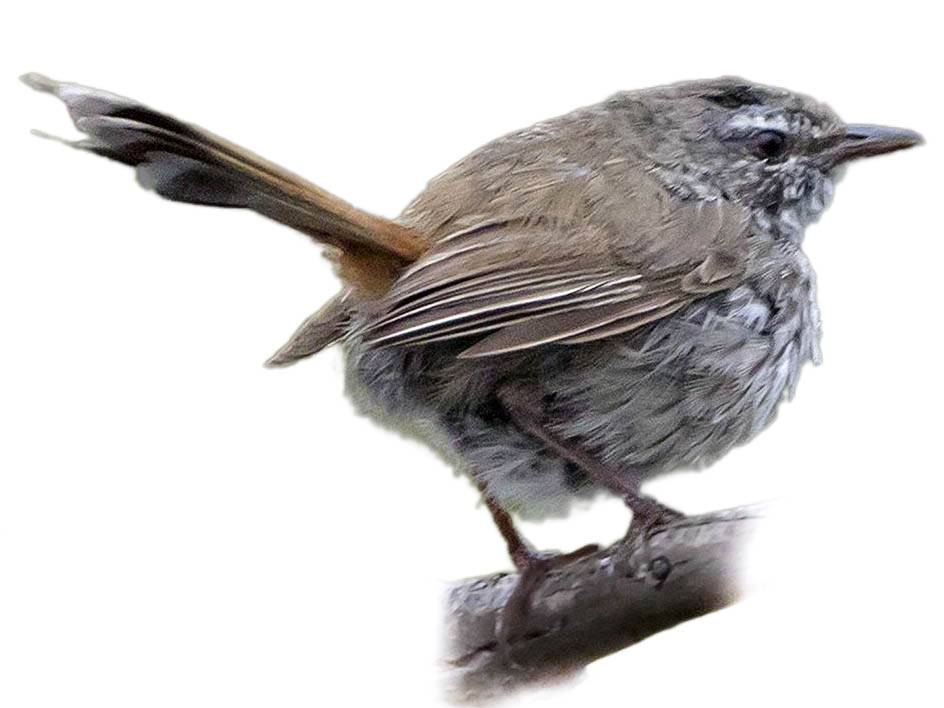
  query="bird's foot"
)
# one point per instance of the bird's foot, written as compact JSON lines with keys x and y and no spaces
{"x":533,"y":567}
{"x":648,"y":514}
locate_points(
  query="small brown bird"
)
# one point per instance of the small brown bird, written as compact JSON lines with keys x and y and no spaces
{"x":576,"y":306}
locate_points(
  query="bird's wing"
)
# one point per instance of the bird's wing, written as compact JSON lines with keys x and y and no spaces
{"x":509,"y":286}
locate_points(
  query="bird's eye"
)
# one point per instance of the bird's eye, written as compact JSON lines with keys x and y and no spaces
{"x":768,"y":144}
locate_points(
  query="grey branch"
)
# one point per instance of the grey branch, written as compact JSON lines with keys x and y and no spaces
{"x":596,"y":606}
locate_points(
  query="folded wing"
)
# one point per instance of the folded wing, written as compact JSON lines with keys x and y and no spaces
{"x":510,"y":286}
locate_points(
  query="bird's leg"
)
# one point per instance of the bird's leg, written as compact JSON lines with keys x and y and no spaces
{"x":533,"y":566}
{"x":525,"y":406}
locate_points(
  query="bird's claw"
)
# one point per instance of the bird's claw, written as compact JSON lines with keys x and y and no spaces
{"x":649,"y":514}
{"x":533,"y":567}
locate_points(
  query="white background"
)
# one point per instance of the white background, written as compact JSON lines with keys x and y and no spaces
{"x":181,"y":527}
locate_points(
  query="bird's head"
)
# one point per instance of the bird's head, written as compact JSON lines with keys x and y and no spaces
{"x":776,"y":151}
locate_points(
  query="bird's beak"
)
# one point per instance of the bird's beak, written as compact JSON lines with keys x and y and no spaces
{"x":863,"y":140}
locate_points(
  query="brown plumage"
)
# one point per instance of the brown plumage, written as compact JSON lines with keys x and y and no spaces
{"x":538,"y":266}
{"x":523,"y":284}
{"x":186,"y":163}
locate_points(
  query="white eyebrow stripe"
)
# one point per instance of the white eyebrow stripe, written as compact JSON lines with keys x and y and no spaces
{"x":760,"y":121}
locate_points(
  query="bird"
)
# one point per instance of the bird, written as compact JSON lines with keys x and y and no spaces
{"x":574,"y":307}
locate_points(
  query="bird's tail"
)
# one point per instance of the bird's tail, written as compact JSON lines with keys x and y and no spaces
{"x":185,"y":163}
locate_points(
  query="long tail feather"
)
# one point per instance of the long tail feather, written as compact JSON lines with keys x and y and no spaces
{"x":183,"y":162}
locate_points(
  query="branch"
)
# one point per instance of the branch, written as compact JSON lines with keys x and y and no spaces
{"x":596,"y":606}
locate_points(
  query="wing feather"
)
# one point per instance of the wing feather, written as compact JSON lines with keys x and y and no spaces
{"x":510,"y":286}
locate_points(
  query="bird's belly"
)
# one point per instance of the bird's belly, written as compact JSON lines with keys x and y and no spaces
{"x":685,"y":392}
{"x":679,"y":394}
